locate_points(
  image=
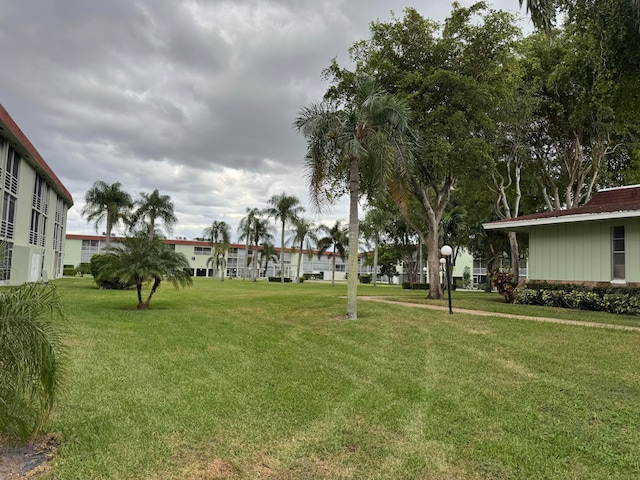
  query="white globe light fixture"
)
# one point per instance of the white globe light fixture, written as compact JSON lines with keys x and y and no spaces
{"x":446,"y":252}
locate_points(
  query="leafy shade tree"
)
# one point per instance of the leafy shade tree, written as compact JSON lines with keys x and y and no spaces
{"x":153,"y":207}
{"x":108,"y":203}
{"x":139,"y":260}
{"x":337,"y":238}
{"x":356,"y":141}
{"x":305,"y":238}
{"x":452,"y":78}
{"x":284,"y":208}
{"x":219,"y":237}
{"x":31,"y":358}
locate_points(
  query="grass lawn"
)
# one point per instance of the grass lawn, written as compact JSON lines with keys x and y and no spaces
{"x":240,"y":380}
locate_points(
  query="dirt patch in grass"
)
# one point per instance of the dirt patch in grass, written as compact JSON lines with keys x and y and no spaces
{"x":28,"y":461}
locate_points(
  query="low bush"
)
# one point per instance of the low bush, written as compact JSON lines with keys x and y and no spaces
{"x":419,"y":286}
{"x":277,"y":279}
{"x":365,"y":278}
{"x":504,"y":283}
{"x":621,"y":300}
{"x":69,"y":272}
{"x":406,"y":285}
{"x":105,"y":282}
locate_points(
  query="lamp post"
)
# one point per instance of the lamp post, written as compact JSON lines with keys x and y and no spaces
{"x":424,"y":274}
{"x":446,"y":252}
{"x":442,"y":267}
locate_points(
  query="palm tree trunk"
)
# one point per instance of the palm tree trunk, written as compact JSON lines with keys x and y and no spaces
{"x":281,"y":254}
{"x":352,"y":279}
{"x":246,"y":254}
{"x":333,"y":267}
{"x":299,"y":262}
{"x":107,"y":240}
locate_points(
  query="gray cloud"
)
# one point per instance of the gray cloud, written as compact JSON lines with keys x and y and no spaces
{"x":195,"y":98}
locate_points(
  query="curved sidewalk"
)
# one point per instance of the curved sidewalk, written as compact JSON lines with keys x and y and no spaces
{"x":503,"y":315}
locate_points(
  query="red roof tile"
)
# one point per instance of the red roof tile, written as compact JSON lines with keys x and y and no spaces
{"x":14,"y":130}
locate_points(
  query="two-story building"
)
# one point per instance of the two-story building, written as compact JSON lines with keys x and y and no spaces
{"x":34,"y":210}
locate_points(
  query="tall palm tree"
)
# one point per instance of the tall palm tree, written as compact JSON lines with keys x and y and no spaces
{"x":104,"y":202}
{"x":284,"y":208}
{"x":373,"y":227}
{"x":305,"y":232}
{"x":261,"y":233}
{"x":219,"y":236}
{"x":337,"y":238}
{"x":347,"y":145}
{"x":138,"y":260}
{"x":245,"y":231}
{"x":152,"y":207}
{"x":267,"y":254}
{"x":30,"y":358}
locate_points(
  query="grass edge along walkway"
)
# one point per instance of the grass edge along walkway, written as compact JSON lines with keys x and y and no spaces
{"x":503,"y":315}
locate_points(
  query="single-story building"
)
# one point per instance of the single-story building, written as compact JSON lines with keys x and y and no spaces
{"x":596,"y":243}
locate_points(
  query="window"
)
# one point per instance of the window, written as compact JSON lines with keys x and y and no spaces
{"x":8,"y":216}
{"x":618,"y":257}
{"x":202,"y":250}
{"x":5,"y":261}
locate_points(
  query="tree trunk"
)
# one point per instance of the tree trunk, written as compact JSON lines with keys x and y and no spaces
{"x":515,"y":257}
{"x":107,"y":240}
{"x":352,"y":279}
{"x":333,"y":267}
{"x":375,"y":263}
{"x":281,"y":254}
{"x":433,"y":261}
{"x":299,"y":262}
{"x":246,"y":260}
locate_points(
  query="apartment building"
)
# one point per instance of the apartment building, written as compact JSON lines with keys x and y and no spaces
{"x":80,"y":248}
{"x":34,"y":210}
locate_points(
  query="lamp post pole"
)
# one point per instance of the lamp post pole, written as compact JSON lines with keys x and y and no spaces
{"x":446,"y":252}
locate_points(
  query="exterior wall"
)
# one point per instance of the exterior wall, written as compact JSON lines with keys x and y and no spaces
{"x":80,"y":248}
{"x":581,"y":252}
{"x":35,"y":241}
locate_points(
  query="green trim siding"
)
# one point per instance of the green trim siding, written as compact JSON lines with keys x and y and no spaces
{"x":581,"y":251}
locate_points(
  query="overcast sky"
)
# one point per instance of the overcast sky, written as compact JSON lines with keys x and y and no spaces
{"x":194,"y":98}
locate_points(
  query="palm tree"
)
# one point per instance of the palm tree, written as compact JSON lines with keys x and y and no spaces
{"x":304,"y":231}
{"x":219,"y":238}
{"x":30,"y":358}
{"x":154,"y":207}
{"x":268,"y":254}
{"x":261,"y":233}
{"x":373,"y":228}
{"x":139,"y":259}
{"x":346,"y":146}
{"x":106,"y":202}
{"x":337,"y":237}
{"x":245,"y":231}
{"x":285,"y":208}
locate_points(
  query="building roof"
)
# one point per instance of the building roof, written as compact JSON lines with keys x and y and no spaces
{"x":606,"y":204}
{"x":19,"y":141}
{"x":180,"y":241}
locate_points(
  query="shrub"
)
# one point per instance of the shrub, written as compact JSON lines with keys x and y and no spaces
{"x":419,"y":286}
{"x":98,"y":267}
{"x":610,"y":299}
{"x":69,"y":271}
{"x":504,"y":283}
{"x":406,"y":286}
{"x":277,"y":279}
{"x":365,"y":278}
{"x":84,"y":268}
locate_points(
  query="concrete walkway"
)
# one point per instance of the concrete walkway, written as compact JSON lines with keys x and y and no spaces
{"x":503,"y":315}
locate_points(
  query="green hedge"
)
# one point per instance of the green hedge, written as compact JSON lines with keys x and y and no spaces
{"x":415,"y":286}
{"x":277,"y":279}
{"x":69,"y":271}
{"x":621,"y":300}
{"x":365,"y":278}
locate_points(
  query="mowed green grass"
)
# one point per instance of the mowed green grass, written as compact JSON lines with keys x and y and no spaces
{"x":240,"y":380}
